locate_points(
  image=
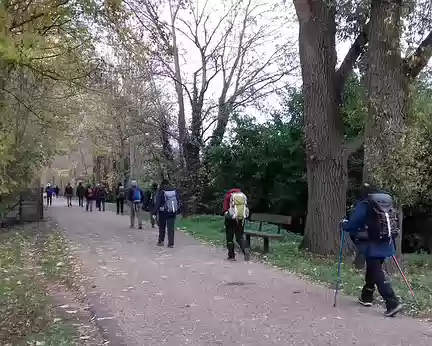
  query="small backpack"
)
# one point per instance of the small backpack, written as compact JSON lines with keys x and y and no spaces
{"x":90,"y":192}
{"x":171,"y":203}
{"x":136,"y":195}
{"x":383,"y":225}
{"x":121,"y":193}
{"x":238,"y":206}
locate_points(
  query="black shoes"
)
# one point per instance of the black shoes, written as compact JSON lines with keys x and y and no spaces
{"x":393,"y":310}
{"x":365,"y":302}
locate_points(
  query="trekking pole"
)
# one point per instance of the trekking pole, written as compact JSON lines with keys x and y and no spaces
{"x":339,"y":266}
{"x":405,"y":279}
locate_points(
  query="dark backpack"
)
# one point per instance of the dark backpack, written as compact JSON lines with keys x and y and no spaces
{"x":383,"y":222}
{"x":171,"y":202}
{"x":121,"y":192}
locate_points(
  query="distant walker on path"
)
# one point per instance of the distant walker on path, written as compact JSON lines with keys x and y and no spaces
{"x":69,"y":194}
{"x":135,"y":198}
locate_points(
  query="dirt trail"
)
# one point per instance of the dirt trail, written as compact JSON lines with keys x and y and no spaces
{"x":189,"y":295}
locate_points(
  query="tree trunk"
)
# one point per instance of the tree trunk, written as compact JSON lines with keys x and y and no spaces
{"x":324,"y":135}
{"x":387,"y":96}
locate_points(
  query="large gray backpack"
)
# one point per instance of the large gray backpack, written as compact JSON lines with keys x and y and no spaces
{"x":171,"y":203}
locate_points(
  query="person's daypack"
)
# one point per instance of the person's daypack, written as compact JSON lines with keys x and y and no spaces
{"x":238,"y":206}
{"x":90,"y":192}
{"x":121,"y":192}
{"x":136,"y":195}
{"x":171,"y":203}
{"x":383,"y":225}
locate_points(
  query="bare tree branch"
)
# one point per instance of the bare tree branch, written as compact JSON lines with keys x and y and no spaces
{"x":417,"y":61}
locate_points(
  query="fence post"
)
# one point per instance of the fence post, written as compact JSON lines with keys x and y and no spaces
{"x":20,"y":208}
{"x":41,"y":201}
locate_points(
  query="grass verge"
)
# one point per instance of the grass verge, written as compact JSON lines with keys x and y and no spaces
{"x":28,"y":316}
{"x":286,"y":255}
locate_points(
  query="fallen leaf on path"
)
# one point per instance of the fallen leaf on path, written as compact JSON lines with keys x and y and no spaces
{"x":64,"y":306}
{"x":338,"y":318}
{"x":105,"y":318}
{"x":71,"y":311}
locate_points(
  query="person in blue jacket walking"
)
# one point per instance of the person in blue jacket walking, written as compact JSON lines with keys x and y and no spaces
{"x":362,"y":226}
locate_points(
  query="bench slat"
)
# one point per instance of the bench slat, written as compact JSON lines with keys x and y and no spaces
{"x":263,"y":234}
{"x":272,"y":218}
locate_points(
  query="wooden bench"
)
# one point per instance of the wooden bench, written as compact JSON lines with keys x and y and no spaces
{"x":278,"y":220}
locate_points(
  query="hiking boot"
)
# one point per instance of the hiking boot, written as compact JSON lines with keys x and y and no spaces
{"x":160,"y":243}
{"x":232,"y":259}
{"x":140,"y":227}
{"x":365,"y":302}
{"x":393,"y":310}
{"x":132,"y":226}
{"x":171,"y":246}
{"x":366,"y":297}
{"x":246,"y":254}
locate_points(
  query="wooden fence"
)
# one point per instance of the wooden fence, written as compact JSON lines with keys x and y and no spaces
{"x":25,"y":206}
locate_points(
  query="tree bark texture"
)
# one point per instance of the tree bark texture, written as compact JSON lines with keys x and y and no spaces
{"x":324,"y":133}
{"x":387,"y":96}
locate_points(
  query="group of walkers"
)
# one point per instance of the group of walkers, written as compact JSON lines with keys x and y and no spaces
{"x":162,"y":203}
{"x":372,"y":226}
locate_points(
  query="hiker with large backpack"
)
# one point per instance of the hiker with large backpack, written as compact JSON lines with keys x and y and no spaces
{"x":166,"y":208}
{"x":150,"y":201}
{"x":373,"y":227}
{"x":236,"y":212}
{"x":135,"y":198}
{"x":120,"y":198}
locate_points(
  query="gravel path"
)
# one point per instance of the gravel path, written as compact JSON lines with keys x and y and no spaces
{"x":190,"y":295}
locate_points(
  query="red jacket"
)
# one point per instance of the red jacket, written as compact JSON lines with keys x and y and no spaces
{"x":226,"y":203}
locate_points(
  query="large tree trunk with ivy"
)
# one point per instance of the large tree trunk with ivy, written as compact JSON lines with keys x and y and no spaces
{"x":388,"y":159}
{"x":326,"y":150}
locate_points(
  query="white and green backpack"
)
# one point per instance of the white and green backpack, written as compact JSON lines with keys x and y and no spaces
{"x":238,"y":206}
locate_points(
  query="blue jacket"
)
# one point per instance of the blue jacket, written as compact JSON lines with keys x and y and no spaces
{"x":356,"y":224}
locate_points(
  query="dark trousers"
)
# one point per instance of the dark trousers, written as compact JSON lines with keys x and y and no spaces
{"x":89,"y":204}
{"x":153,"y":221}
{"x":81,"y":201}
{"x":375,"y":276}
{"x":69,"y":200}
{"x":166,"y":224}
{"x":101,"y":204}
{"x":234,"y":228}
{"x":49,"y":199}
{"x":120,"y":205}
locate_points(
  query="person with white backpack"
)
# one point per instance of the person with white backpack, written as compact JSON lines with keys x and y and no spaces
{"x":236,"y":212}
{"x":167,"y":207}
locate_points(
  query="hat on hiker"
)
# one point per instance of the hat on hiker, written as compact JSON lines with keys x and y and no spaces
{"x":134,"y":183}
